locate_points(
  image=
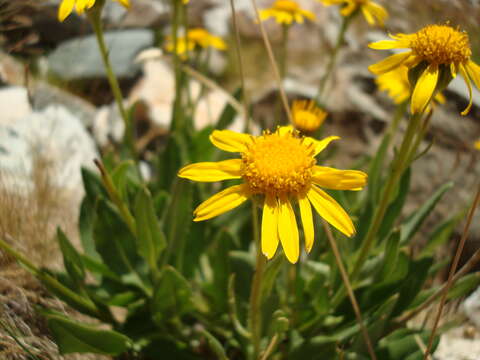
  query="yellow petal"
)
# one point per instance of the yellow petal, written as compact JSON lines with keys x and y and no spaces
{"x":212,"y":171}
{"x":389,"y":63}
{"x":319,"y":146}
{"x":230,"y":141}
{"x":65,"y":9}
{"x":473,"y":71}
{"x":424,"y":89}
{"x":368,"y":16}
{"x":330,"y":210}
{"x":80,"y":6}
{"x":385,"y":45}
{"x":469,"y":86}
{"x":288,"y":231}
{"x":377,"y":12}
{"x":335,"y":179}
{"x":221,"y":202}
{"x":125,"y":3}
{"x":270,"y":227}
{"x":307,"y":222}
{"x":348,"y":9}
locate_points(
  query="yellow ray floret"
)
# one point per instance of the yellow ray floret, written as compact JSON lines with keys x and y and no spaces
{"x":440,"y":52}
{"x":195,"y":38}
{"x":281,"y":168}
{"x":397,"y":86}
{"x":373,"y":13}
{"x":286,"y":12}
{"x":307,"y":116}
{"x":67,"y":6}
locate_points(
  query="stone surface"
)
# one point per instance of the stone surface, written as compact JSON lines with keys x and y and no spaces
{"x":80,"y":58}
{"x":14,"y":104}
{"x":54,"y":136}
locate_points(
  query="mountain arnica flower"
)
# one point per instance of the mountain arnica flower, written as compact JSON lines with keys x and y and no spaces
{"x":195,"y":38}
{"x":67,"y":6}
{"x":280,"y":169}
{"x":373,"y":13}
{"x":286,"y":12}
{"x":437,"y":54}
{"x":307,"y":116}
{"x":397,"y":86}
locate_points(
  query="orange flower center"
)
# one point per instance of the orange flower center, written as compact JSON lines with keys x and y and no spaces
{"x":442,"y":44}
{"x":278,"y":164}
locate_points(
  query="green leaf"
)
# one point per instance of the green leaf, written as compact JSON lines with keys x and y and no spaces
{"x":71,"y":258}
{"x":92,"y":184}
{"x":464,"y":286}
{"x":270,"y":274}
{"x":402,"y":344}
{"x":229,"y":112}
{"x":415,"y":220}
{"x":215,"y":345}
{"x":123,"y":175}
{"x":392,"y":248}
{"x":87,"y":219}
{"x":75,"y":337}
{"x":151,"y":240}
{"x":170,"y":160}
{"x":172,"y":296}
{"x":413,"y":283}
{"x":395,"y":208}
{"x":375,"y":171}
{"x":441,"y":234}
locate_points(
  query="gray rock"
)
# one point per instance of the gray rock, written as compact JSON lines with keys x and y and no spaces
{"x":54,"y":136}
{"x":14,"y":104}
{"x":80,"y":58}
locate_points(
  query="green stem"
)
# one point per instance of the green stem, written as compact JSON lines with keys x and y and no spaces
{"x":399,"y":165}
{"x":255,"y":313}
{"x":332,"y":60}
{"x":85,"y":304}
{"x":94,"y":16}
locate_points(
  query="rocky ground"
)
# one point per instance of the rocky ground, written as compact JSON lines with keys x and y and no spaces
{"x":58,"y":115}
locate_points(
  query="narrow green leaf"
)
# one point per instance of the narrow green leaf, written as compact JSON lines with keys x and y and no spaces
{"x":75,"y":337}
{"x":215,"y":345}
{"x":441,"y":234}
{"x":415,"y":220}
{"x":151,"y":240}
{"x":395,"y":208}
{"x":375,"y":171}
{"x":392,"y":248}
{"x":172,"y":296}
{"x":464,"y":286}
{"x":123,"y":175}
{"x":71,"y":258}
{"x":413,"y":283}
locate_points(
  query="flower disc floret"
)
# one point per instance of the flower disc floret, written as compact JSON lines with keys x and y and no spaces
{"x":441,"y":45}
{"x":278,"y":165}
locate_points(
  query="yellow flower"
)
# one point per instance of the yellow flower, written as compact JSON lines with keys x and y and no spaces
{"x":196,"y":37}
{"x":372,"y":12}
{"x":437,"y":53}
{"x":66,"y":7}
{"x":396,"y":84}
{"x":280,"y":168}
{"x":286,"y":12}
{"x":307,"y":117}
{"x":477,"y":144}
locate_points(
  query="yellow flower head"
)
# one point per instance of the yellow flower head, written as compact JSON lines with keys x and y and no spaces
{"x":286,"y":12}
{"x":477,"y":144}
{"x":196,"y":37}
{"x":438,"y":52}
{"x":307,"y":117}
{"x":281,"y":168}
{"x":67,"y":6}
{"x":372,"y":12}
{"x":396,"y":84}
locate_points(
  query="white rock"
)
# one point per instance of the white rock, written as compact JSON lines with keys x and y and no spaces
{"x":14,"y":104}
{"x":53,"y":135}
